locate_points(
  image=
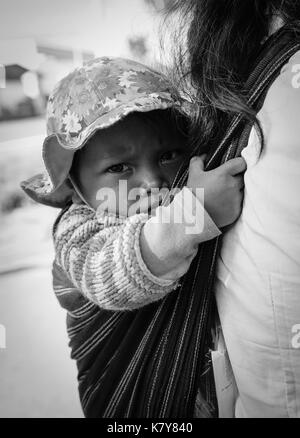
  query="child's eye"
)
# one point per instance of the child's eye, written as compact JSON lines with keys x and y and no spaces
{"x":169,"y":156}
{"x":118,"y":168}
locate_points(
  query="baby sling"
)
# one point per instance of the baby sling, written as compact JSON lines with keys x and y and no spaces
{"x":148,"y":362}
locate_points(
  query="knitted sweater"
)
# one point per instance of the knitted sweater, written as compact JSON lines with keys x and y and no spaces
{"x":127,"y":263}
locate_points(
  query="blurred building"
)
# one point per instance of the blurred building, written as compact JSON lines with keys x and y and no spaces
{"x":26,"y":89}
{"x":40,"y":41}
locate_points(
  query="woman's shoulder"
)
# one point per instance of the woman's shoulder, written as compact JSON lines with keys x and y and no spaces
{"x":284,"y":93}
{"x":290,"y":73}
{"x":280,"y":113}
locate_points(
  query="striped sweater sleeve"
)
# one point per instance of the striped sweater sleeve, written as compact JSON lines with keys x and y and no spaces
{"x":102,"y":258}
{"x":124,"y":264}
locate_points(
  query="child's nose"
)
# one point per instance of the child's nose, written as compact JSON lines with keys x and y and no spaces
{"x":150,"y":179}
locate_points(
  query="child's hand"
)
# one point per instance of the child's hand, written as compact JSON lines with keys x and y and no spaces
{"x":223,"y":188}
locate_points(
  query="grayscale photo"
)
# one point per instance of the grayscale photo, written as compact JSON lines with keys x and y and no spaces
{"x":149,"y":212}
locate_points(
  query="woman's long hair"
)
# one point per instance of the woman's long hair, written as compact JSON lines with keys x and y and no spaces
{"x":216,"y":43}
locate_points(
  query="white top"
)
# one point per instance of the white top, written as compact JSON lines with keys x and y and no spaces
{"x":258,"y":277}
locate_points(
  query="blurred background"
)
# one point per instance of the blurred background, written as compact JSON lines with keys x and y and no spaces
{"x":41,"y":41}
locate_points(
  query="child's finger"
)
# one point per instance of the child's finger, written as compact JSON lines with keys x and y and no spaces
{"x":197,"y":162}
{"x":235,"y":166}
{"x":240,"y":181}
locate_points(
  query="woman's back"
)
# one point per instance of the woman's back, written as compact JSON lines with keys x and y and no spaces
{"x":258,"y":278}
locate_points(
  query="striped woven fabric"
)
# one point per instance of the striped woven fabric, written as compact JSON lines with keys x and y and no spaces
{"x":150,"y":362}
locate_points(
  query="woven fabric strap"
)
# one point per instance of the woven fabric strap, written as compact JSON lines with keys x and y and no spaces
{"x":149,"y":361}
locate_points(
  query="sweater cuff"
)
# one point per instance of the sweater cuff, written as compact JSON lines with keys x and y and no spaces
{"x":147,"y":287}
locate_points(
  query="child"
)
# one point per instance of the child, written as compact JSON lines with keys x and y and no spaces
{"x":117,"y":123}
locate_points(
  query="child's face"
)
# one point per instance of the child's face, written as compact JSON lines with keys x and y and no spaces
{"x":144,"y":152}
